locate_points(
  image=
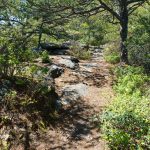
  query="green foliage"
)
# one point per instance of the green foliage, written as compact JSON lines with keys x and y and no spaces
{"x":113,"y":59}
{"x":111,"y":53}
{"x":14,"y":53}
{"x":128,"y":70}
{"x":89,"y":31}
{"x":126,"y":122}
{"x":131,"y":81}
{"x":138,"y":42}
{"x":8,"y":63}
{"x":45,"y":57}
{"x":79,"y":52}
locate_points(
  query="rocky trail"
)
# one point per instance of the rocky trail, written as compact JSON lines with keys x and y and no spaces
{"x":84,"y":90}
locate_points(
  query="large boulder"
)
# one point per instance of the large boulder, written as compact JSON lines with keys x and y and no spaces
{"x":55,"y":48}
{"x":52,"y":46}
{"x":72,"y":93}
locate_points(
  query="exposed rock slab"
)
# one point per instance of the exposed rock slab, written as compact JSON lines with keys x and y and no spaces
{"x":68,"y":63}
{"x":72,"y":93}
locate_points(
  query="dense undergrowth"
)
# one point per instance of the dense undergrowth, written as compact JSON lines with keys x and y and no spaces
{"x":126,"y":122}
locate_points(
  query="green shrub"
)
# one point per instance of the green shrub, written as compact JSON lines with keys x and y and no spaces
{"x":138,"y":41}
{"x":111,"y":53}
{"x":139,"y":55}
{"x":127,"y":70}
{"x":126,"y":131}
{"x":14,"y":50}
{"x":32,"y":71}
{"x":113,"y":59}
{"x":45,"y":57}
{"x":8,"y":63}
{"x":126,"y":122}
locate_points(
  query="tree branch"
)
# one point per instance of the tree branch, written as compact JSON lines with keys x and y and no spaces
{"x":110,"y":10}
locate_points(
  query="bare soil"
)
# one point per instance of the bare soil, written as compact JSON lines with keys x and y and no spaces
{"x":77,"y":129}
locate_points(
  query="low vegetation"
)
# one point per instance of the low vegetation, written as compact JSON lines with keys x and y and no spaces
{"x":111,"y":53}
{"x":126,"y":122}
{"x":45,"y":57}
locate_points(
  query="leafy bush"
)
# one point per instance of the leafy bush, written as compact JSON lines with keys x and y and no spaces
{"x":126,"y":122}
{"x":111,"y":53}
{"x":113,"y":59}
{"x":11,"y":57}
{"x":139,"y":55}
{"x":8,"y":63}
{"x":45,"y":57}
{"x":130,"y":80}
{"x":138,"y":42}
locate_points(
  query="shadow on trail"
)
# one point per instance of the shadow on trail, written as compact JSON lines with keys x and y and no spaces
{"x":76,"y":127}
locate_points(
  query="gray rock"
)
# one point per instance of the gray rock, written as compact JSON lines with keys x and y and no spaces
{"x":55,"y":71}
{"x":66,"y":57}
{"x":54,"y":48}
{"x":97,"y":50}
{"x":91,"y":65}
{"x":73,"y":59}
{"x":72,"y":93}
{"x":68,"y":63}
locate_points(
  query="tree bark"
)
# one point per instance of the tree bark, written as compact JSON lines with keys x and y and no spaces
{"x":123,"y":48}
{"x":123,"y":32}
{"x":40,"y":36}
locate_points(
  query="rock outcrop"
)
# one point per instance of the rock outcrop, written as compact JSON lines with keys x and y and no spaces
{"x":72,"y":93}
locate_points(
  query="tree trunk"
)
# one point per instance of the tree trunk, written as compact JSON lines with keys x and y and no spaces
{"x":124,"y":32}
{"x":40,"y":36}
{"x":123,"y":48}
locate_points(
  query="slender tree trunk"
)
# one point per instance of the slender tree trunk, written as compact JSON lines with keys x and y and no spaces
{"x":124,"y":32}
{"x":40,"y":36}
{"x":123,"y":48}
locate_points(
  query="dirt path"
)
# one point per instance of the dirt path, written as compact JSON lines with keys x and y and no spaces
{"x":75,"y":127}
